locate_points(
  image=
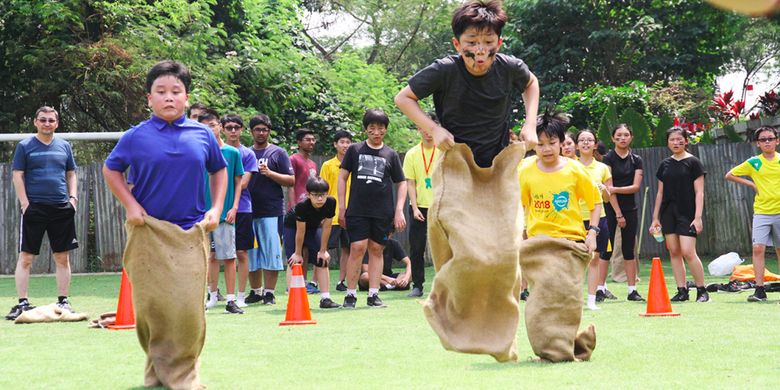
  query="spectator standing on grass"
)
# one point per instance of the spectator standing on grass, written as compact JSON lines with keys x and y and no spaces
{"x":273,"y":173}
{"x":679,"y":205}
{"x":418,"y":168}
{"x":330,"y":172}
{"x":764,"y":171}
{"x":44,"y":177}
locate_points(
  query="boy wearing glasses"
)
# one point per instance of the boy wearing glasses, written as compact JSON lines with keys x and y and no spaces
{"x":764,"y":171}
{"x":307,"y":225}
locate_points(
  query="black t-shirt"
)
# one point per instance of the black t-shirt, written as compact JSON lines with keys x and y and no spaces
{"x":623,"y":170}
{"x":476,"y":110}
{"x":393,"y":251}
{"x":304,"y":211}
{"x":373,"y":172}
{"x":678,"y":178}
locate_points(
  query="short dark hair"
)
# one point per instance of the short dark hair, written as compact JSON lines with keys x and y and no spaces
{"x":208,"y":115}
{"x":676,"y":129}
{"x":260,"y":119}
{"x":342,"y":134}
{"x":317,"y":184}
{"x":553,"y":125}
{"x":375,"y":115}
{"x":621,"y":126}
{"x":232,"y":118}
{"x":302,"y":133}
{"x":601,"y":148}
{"x":480,"y":14}
{"x":196,"y":106}
{"x":47,"y":109}
{"x":763,"y":129}
{"x":168,"y":68}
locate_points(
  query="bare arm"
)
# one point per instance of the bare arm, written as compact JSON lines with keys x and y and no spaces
{"x":118,"y":185}
{"x":230,"y":217}
{"x":698,"y":189}
{"x":407,"y":102}
{"x":739,"y":180}
{"x":291,"y":198}
{"x":21,"y":191}
{"x":323,"y":254}
{"x":73,"y":182}
{"x":400,"y":219}
{"x":218,"y":187}
{"x":300,"y":234}
{"x":659,"y":197}
{"x":245,"y":180}
{"x":342,"y":194}
{"x":531,"y":102}
{"x":411,"y":189}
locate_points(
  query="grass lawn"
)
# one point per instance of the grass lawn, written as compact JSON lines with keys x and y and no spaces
{"x":721,"y":344}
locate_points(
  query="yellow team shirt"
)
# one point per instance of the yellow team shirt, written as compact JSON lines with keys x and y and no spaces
{"x":600,"y":173}
{"x":766,"y":175}
{"x":551,"y":200}
{"x":415,"y":168}
{"x":330,"y":172}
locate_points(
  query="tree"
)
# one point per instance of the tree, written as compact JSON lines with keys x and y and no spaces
{"x":756,"y":51}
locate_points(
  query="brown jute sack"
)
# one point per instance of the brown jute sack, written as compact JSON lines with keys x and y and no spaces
{"x":167,"y":268}
{"x":474,"y":229}
{"x":555,"y":270}
{"x":617,"y":261}
{"x":49,"y":313}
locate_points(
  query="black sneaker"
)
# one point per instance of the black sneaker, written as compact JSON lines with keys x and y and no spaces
{"x":349,"y":302}
{"x":220,"y":297}
{"x":416,"y":292}
{"x":758,"y":296}
{"x":253,"y":297}
{"x":634,"y":296}
{"x":327,"y":303}
{"x":341,"y":286}
{"x":702,"y":295}
{"x":600,"y":296}
{"x":682,"y":295}
{"x":65,"y":305}
{"x":269,"y":298}
{"x":374,"y":301}
{"x":609,"y":295}
{"x":17,"y":310}
{"x":732,"y":286}
{"x":524,"y":295}
{"x":232,"y":308}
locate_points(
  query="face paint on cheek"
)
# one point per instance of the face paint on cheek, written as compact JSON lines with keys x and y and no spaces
{"x":469,"y":54}
{"x":492,"y":53}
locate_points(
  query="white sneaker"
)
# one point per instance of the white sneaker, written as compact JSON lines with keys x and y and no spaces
{"x":240,"y":303}
{"x":593,"y":307}
{"x":211,"y":303}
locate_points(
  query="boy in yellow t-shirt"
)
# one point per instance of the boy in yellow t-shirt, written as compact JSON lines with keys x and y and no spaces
{"x":330,"y":172}
{"x":764,"y":170}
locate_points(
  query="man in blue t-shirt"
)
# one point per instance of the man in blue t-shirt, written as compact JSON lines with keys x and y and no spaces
{"x":44,"y":176}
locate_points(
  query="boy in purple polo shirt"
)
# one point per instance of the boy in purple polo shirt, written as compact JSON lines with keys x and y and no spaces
{"x":168,"y":154}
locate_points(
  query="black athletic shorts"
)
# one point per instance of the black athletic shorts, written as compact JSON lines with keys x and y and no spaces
{"x":672,"y":222}
{"x":58,"y":220}
{"x":602,"y":239}
{"x":338,"y":238}
{"x":245,"y":236}
{"x":375,"y":229}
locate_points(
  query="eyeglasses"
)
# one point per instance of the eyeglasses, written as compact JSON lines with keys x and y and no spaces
{"x":261,"y":129}
{"x":766,"y":140}
{"x":46,"y":120}
{"x":232,"y":128}
{"x":318,"y":195}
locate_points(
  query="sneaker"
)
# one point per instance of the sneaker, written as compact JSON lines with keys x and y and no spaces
{"x":682,"y":295}
{"x":600,"y":296}
{"x":374,"y":301}
{"x":758,"y":296}
{"x":609,"y":295}
{"x":220,"y":297}
{"x":732,"y":286}
{"x":702,"y":295}
{"x":269,"y":298}
{"x":211,"y":303}
{"x":253,"y":297}
{"x":65,"y":305}
{"x":524,"y":295}
{"x":341,"y":286}
{"x":17,"y":310}
{"x":416,"y":292}
{"x":241,"y":303}
{"x":232,"y":308}
{"x":349,"y":302}
{"x":634,"y":296}
{"x":311,"y":288}
{"x":327,"y":303}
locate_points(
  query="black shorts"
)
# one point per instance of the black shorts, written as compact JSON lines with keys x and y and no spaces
{"x":672,"y":222}
{"x":58,"y":220}
{"x":375,"y":229}
{"x":245,"y":236}
{"x":602,"y":239}
{"x":338,"y":238}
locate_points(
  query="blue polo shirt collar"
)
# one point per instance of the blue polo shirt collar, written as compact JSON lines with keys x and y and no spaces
{"x":159,"y":124}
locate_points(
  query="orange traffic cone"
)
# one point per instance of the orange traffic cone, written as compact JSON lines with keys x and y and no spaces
{"x":125,"y":315}
{"x":298,"y":312}
{"x":658,"y":303}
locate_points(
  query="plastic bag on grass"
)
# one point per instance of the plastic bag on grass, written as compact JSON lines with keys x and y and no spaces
{"x":724,"y":264}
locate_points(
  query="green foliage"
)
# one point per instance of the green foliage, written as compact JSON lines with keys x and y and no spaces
{"x":588,"y":106}
{"x":608,"y":121}
{"x":665,"y":122}
{"x":639,"y":126}
{"x":680,"y":98}
{"x":732,"y":134}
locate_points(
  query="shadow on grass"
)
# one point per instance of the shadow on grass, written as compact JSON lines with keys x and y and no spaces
{"x":528,"y":362}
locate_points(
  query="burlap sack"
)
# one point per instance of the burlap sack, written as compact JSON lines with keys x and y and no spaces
{"x":49,"y":313}
{"x":474,"y":228}
{"x":555,"y":270}
{"x":616,"y":262}
{"x":167,"y":268}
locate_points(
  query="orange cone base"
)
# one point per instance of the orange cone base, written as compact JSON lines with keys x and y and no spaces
{"x":121,"y":327}
{"x":303,"y":322}
{"x":660,"y":314}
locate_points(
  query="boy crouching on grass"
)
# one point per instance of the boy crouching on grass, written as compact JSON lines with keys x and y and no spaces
{"x":167,"y":220}
{"x":307,"y":225}
{"x":558,"y":248}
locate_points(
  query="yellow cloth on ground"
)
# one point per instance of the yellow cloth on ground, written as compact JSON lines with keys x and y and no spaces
{"x":49,"y":313}
{"x":167,"y":268}
{"x":475,"y":228}
{"x":330,"y":172}
{"x":555,"y":270}
{"x":747,"y":272}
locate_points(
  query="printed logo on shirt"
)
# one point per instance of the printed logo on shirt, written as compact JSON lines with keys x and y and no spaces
{"x":371,"y":168}
{"x":561,"y":200}
{"x":755,"y":162}
{"x":262,"y":161}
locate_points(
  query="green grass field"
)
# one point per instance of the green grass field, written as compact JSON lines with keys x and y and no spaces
{"x":725,"y":343}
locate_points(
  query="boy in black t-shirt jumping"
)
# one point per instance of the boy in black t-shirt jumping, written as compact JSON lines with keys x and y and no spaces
{"x":308,"y":225}
{"x":371,"y":213}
